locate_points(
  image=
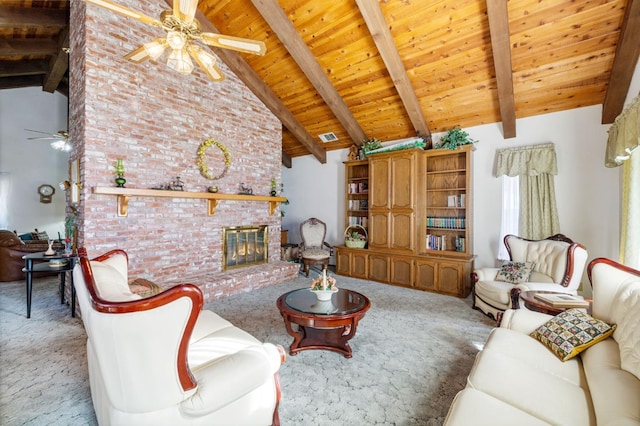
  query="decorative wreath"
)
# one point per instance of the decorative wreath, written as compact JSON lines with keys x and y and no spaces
{"x":202,"y":164}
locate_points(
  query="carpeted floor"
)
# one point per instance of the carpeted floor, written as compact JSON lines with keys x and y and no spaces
{"x":411,"y":355}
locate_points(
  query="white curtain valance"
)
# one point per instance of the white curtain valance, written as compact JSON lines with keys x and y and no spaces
{"x":624,"y":135}
{"x":530,"y":160}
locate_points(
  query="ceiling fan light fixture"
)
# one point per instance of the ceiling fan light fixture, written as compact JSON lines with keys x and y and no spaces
{"x":180,"y":61}
{"x":176,"y":40}
{"x":61,"y":145}
{"x":155,"y":48}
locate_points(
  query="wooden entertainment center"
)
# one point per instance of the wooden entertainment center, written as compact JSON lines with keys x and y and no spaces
{"x":417,"y":208}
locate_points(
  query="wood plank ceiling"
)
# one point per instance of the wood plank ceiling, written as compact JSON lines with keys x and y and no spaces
{"x":388,"y":69}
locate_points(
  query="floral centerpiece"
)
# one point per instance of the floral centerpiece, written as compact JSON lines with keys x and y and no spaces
{"x":355,"y":239}
{"x":324,"y":286}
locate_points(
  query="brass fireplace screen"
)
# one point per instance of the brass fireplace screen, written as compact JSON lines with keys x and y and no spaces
{"x":244,"y":246}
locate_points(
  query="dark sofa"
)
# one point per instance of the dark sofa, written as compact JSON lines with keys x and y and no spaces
{"x":12,"y":249}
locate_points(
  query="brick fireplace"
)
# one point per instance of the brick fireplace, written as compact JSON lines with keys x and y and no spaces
{"x":155,"y":119}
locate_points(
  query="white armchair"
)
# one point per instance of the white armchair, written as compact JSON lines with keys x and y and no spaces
{"x":163,"y":361}
{"x":553,"y":264}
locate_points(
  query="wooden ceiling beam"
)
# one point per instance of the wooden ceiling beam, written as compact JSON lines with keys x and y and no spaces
{"x":624,"y":63}
{"x":28,"y":47}
{"x":498,"y":15}
{"x":286,"y":160}
{"x":259,"y":88}
{"x":59,"y":63}
{"x":374,"y":18}
{"x":20,"y":68}
{"x":300,"y":52}
{"x":19,"y":82}
{"x":12,"y":17}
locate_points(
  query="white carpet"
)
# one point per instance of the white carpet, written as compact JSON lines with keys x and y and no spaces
{"x":411,"y":355}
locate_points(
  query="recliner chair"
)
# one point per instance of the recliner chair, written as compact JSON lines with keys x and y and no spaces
{"x":554,"y":264}
{"x":163,"y":361}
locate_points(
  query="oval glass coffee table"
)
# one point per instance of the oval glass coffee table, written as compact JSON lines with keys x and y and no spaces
{"x":322,"y":325}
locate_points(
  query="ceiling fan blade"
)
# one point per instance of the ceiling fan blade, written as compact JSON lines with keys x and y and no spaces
{"x":125,"y":11}
{"x":61,"y":134}
{"x":152,"y":50}
{"x":138,"y":55}
{"x":185,"y":10}
{"x":206,"y":61}
{"x":38,"y":131}
{"x":45,"y":138}
{"x":235,"y":43}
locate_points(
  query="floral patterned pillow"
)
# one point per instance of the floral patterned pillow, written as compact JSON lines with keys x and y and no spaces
{"x":515,"y":272}
{"x":571,"y":332}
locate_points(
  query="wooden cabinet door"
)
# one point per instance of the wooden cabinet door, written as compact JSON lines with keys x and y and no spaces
{"x":379,"y":267}
{"x":450,"y":277}
{"x":402,"y":231}
{"x":426,"y":274}
{"x":379,"y":229}
{"x":402,"y":169}
{"x":343,"y":262}
{"x":402,"y":271}
{"x":359,"y":264}
{"x":378,"y":183}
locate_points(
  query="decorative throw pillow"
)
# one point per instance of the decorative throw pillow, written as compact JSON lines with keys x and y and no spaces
{"x":571,"y":332}
{"x":515,"y":272}
{"x":111,"y":284}
{"x":40,"y":235}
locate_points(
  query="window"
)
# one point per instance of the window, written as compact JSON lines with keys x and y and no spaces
{"x":510,"y":212}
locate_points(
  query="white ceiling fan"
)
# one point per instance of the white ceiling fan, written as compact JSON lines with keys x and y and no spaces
{"x":182,"y":33}
{"x":60,"y":139}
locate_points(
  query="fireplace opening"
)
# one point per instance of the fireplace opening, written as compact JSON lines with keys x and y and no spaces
{"x":244,"y":246}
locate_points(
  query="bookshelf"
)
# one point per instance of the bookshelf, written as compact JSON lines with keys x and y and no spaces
{"x":356,"y":201}
{"x":419,"y":219}
{"x":448,"y":207}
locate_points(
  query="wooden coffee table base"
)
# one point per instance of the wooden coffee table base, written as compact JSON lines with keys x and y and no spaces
{"x":324,"y":331}
{"x":334,"y":338}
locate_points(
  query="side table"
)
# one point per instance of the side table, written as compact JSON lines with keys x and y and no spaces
{"x":30,"y":268}
{"x":534,"y":304}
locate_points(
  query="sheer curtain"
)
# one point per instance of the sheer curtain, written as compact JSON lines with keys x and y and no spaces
{"x":622,"y":149}
{"x":535,"y":167}
{"x":510,"y":212}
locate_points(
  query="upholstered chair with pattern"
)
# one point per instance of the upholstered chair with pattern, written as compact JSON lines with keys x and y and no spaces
{"x":314,"y":250}
{"x":555,"y":264}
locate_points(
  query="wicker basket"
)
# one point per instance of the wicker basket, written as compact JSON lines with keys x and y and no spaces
{"x":355,"y":244}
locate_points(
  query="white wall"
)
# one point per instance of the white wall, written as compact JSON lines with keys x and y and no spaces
{"x":586,"y":191}
{"x":32,"y":163}
{"x":315,"y":190}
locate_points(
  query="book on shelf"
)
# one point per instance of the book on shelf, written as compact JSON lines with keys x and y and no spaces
{"x":456,"y":200}
{"x":560,"y":300}
{"x":359,"y":205}
{"x":354,"y":220}
{"x":358,"y":188}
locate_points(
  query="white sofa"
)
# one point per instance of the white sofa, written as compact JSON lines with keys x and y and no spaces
{"x":559,"y":264}
{"x":163,"y":361}
{"x":516,"y":380}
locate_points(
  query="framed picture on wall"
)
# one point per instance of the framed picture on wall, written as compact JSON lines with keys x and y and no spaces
{"x":74,"y":180}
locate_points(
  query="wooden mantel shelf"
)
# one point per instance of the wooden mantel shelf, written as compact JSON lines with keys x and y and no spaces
{"x":124,"y":194}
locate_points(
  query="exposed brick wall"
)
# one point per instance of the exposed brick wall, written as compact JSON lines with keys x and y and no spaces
{"x":155,"y":119}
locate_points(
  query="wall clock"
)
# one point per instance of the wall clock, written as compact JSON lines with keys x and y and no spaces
{"x":46,"y":191}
